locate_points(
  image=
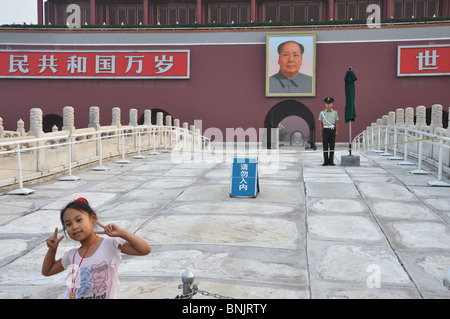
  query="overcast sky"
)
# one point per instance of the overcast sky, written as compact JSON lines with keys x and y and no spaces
{"x":18,"y":11}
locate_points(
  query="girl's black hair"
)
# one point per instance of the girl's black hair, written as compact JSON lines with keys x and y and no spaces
{"x":80,"y":204}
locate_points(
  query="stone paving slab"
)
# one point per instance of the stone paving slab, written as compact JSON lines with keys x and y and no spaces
{"x":374,"y":231}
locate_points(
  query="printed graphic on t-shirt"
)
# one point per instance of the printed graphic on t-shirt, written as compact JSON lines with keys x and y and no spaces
{"x":93,"y":282}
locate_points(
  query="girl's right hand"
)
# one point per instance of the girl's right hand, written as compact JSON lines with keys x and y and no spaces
{"x":53,"y":242}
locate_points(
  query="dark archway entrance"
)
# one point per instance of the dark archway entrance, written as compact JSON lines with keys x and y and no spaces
{"x":285,"y":109}
{"x":153,"y":119}
{"x":50,"y":120}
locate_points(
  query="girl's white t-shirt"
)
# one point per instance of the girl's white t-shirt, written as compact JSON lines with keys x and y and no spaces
{"x":97,"y":278}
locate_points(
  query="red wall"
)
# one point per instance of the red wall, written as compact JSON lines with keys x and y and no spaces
{"x":227,"y":88}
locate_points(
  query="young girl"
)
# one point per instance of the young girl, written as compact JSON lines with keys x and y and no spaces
{"x":93,"y":266}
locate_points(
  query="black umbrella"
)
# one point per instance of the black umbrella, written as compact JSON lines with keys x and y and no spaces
{"x":350,"y":113}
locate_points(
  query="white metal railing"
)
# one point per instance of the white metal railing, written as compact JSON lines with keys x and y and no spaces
{"x":421,"y":145}
{"x":45,"y":154}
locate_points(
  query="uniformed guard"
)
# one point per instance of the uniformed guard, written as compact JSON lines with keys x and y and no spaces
{"x":328,"y":120}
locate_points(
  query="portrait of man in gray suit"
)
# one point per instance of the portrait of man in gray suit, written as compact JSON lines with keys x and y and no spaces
{"x":290,"y":78}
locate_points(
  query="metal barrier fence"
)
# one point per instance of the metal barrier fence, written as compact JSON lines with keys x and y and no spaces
{"x":423,"y":146}
{"x":61,"y":151}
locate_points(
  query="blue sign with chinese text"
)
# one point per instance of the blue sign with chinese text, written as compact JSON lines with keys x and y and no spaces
{"x":244,"y":178}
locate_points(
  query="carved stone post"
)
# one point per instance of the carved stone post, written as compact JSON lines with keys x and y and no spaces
{"x":409,"y":116}
{"x":68,"y":119}
{"x":133,"y":117}
{"x":421,"y":118}
{"x":94,"y":117}
{"x":148,"y":117}
{"x":436,"y":117}
{"x":159,"y":123}
{"x":168,"y":135}
{"x":192,"y":129}
{"x":36,"y":130}
{"x":391,"y":118}
{"x":400,"y":117}
{"x":21,"y":127}
{"x":448,"y":125}
{"x":2,"y":129}
{"x":159,"y":119}
{"x":116,"y":117}
{"x":36,"y":122}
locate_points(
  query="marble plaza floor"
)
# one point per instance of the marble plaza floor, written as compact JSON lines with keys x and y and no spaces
{"x":373,"y":231}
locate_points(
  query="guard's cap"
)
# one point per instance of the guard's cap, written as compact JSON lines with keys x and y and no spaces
{"x":328,"y":100}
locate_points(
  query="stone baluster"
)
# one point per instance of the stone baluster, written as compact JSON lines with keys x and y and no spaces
{"x":68,"y":119}
{"x":148,"y":117}
{"x":159,"y":122}
{"x":116,"y":117}
{"x":391,"y":122}
{"x":133,"y":117}
{"x":421,"y":117}
{"x":185,"y":134}
{"x":198,"y":139}
{"x":2,"y":129}
{"x":391,"y":118}
{"x":409,"y":122}
{"x":192,"y":129}
{"x":378,"y":136}
{"x":168,"y":137}
{"x":409,"y":117}
{"x":159,"y":119}
{"x":21,"y":127}
{"x":168,"y":120}
{"x":399,"y":117}
{"x":36,"y":131}
{"x":176,"y":124}
{"x":436,"y":117}
{"x":448,"y":125}
{"x":35,"y":123}
{"x":94,"y":117}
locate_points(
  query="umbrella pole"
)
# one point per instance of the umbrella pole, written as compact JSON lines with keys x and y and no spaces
{"x":350,"y":140}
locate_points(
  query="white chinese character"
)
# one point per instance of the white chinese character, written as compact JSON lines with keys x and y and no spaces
{"x":131,"y":61}
{"x":244,"y":167}
{"x":105,"y":64}
{"x":77,"y":64}
{"x":18,"y":63}
{"x":244,"y":173}
{"x":164,"y":64}
{"x":243,"y":186}
{"x":427,"y":61}
{"x":48,"y":63}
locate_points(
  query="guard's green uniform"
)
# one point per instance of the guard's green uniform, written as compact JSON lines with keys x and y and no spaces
{"x":329,"y":119}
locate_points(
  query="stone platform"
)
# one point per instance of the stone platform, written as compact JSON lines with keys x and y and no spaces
{"x":373,"y":231}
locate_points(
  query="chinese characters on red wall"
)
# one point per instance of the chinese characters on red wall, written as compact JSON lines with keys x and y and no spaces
{"x":424,"y":60}
{"x":137,"y":64}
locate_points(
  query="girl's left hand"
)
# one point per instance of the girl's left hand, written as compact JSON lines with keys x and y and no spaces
{"x":111,"y":230}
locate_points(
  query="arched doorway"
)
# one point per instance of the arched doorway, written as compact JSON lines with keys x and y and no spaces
{"x":285,"y":109}
{"x":50,"y":120}
{"x":153,"y":119}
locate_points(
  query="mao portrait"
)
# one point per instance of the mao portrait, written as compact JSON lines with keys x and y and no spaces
{"x":291,"y":64}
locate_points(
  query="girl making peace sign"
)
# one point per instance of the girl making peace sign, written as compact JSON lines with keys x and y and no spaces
{"x":93,"y":266}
